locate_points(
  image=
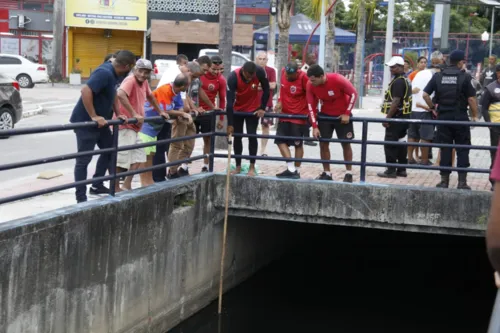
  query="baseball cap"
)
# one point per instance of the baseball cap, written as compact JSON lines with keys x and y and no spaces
{"x":144,"y":64}
{"x":457,"y":56}
{"x":291,"y":68}
{"x":395,"y":61}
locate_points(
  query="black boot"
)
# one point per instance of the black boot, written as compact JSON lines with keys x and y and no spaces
{"x":462,"y":182}
{"x":445,"y":181}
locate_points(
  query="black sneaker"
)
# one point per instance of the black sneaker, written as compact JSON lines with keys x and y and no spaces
{"x":288,"y":174}
{"x":99,"y":190}
{"x":81,"y":200}
{"x":324,"y":176}
{"x":310,"y":143}
{"x":204,"y":169}
{"x":401,"y":173}
{"x":182,"y":173}
{"x":348,"y":178}
{"x":387,"y":174}
{"x":173,"y":175}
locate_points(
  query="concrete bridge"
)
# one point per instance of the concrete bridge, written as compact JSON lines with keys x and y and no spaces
{"x":147,"y":259}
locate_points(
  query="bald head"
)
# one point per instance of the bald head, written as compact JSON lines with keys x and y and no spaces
{"x":261,"y":59}
{"x":180,"y":83}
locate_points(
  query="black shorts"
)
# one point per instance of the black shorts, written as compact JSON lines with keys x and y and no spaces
{"x":266,"y":121}
{"x":343,"y":131}
{"x":286,"y":128}
{"x":203,"y":125}
{"x":419,"y":131}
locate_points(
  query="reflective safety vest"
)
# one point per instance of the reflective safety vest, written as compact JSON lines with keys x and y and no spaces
{"x":405,"y":106}
{"x":449,"y":95}
{"x":494,"y":107}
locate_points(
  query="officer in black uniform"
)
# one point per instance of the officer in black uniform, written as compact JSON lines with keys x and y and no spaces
{"x":453,"y":90}
{"x":397,"y":104}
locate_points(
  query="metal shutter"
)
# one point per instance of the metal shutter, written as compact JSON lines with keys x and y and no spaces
{"x":91,"y":50}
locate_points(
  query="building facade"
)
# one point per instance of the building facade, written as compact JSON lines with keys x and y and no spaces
{"x":30,"y":30}
{"x":253,"y":12}
{"x":95,"y":29}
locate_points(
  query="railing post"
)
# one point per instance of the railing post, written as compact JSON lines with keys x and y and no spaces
{"x":364,"y":139}
{"x":213,"y":126}
{"x":112,"y":166}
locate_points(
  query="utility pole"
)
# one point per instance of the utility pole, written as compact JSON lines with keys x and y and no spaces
{"x":271,"y":37}
{"x":388,"y":44}
{"x":57,"y":40}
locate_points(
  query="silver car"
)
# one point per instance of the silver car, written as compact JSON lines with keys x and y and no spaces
{"x":11,"y":106}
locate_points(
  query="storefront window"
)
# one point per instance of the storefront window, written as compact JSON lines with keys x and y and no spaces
{"x":30,"y":49}
{"x":47,"y":54}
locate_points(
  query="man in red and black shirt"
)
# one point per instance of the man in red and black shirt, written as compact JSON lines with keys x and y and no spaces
{"x":337,"y":96}
{"x":213,"y":83}
{"x":292,"y":101}
{"x":267,"y":122}
{"x":242,"y":96}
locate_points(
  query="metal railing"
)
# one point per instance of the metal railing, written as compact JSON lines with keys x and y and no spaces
{"x":363,"y":163}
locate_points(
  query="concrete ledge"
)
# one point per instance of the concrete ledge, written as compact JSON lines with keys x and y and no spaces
{"x":374,"y":206}
{"x":32,"y":111}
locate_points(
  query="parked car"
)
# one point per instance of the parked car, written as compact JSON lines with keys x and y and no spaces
{"x":11,"y":105}
{"x":26,"y":72}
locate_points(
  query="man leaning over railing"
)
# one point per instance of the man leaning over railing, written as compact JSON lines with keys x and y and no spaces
{"x":453,"y":91}
{"x":96,"y":103}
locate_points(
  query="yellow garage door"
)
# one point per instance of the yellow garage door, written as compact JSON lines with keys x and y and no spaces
{"x":91,"y":50}
{"x":126,"y":40}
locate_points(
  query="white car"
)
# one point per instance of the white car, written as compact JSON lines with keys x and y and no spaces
{"x":24,"y":71}
{"x":237,"y":59}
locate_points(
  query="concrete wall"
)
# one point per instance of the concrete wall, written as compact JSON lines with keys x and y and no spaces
{"x":140,"y":262}
{"x":393,"y":207}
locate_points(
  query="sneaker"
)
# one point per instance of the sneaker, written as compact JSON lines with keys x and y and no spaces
{"x":101,"y":189}
{"x":81,"y":200}
{"x":310,"y":143}
{"x":387,"y":174}
{"x":182,"y":173}
{"x":324,"y":176}
{"x":173,"y":175}
{"x":204,"y":169}
{"x":288,"y":174}
{"x":348,"y":178}
{"x":401,"y":173}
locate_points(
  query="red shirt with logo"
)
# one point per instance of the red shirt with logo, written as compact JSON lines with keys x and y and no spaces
{"x":293,"y":97}
{"x":337,"y":96}
{"x":214,"y":85}
{"x":271,"y":77}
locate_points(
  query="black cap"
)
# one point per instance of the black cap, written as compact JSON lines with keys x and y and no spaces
{"x":498,"y":68}
{"x":457,"y":56}
{"x":291,"y":68}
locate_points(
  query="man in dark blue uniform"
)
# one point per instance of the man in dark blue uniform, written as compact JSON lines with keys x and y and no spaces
{"x":453,"y":91}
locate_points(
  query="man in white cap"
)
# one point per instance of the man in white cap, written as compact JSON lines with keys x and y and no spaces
{"x":397,"y":104}
{"x":132,"y":94}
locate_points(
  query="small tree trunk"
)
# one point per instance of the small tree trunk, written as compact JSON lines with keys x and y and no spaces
{"x":56,"y":72}
{"x":330,"y":39}
{"x":226,"y":13}
{"x":284,"y":7}
{"x":360,"y":45}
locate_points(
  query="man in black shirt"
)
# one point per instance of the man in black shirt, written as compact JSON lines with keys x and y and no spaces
{"x":453,"y":92}
{"x":397,"y":102}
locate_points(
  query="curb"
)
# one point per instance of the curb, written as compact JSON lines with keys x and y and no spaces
{"x":38,"y":110}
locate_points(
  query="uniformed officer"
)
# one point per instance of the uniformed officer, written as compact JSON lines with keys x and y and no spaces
{"x":397,"y":104}
{"x":490,"y":108}
{"x":453,"y":92}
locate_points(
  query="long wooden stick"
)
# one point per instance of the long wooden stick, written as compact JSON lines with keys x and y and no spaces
{"x":224,"y":234}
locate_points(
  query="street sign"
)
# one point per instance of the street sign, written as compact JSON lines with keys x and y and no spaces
{"x":4,"y":20}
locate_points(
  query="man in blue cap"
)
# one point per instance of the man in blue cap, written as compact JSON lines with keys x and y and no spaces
{"x":453,"y":91}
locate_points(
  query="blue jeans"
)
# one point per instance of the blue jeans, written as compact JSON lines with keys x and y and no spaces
{"x":86,"y":141}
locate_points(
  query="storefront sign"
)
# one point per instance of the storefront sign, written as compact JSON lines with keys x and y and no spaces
{"x":107,"y":14}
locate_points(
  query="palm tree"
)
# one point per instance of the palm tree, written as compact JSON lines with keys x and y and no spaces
{"x":284,"y":7}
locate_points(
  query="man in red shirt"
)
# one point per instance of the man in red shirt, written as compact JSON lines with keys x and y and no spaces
{"x":337,"y":96}
{"x":292,"y":101}
{"x":213,"y":84}
{"x":242,"y":96}
{"x":266,"y":123}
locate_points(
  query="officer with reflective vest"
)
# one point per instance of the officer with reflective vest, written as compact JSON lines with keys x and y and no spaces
{"x":397,"y":104}
{"x":453,"y":90}
{"x":490,"y":108}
